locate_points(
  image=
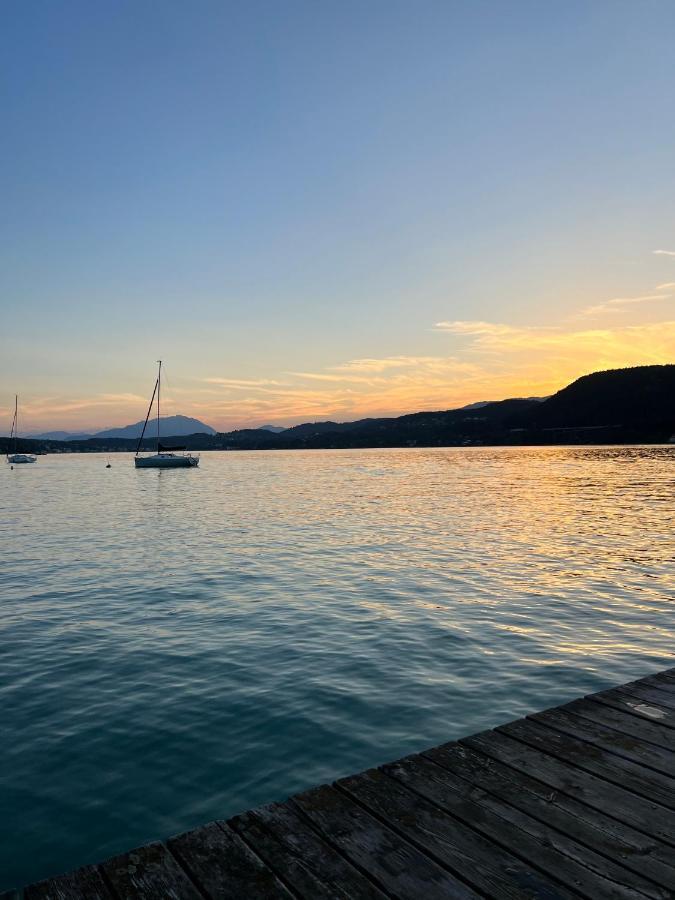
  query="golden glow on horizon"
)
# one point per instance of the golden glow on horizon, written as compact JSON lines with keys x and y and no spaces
{"x":491,"y":361}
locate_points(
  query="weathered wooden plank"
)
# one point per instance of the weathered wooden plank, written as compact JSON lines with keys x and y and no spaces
{"x":616,"y":841}
{"x":477,"y":860}
{"x":398,"y":867}
{"x":639,"y":727}
{"x":649,"y":694}
{"x":223,"y":865}
{"x":82,"y":884}
{"x":624,"y":745}
{"x":634,"y":777}
{"x":150,"y":873}
{"x":556,"y":854}
{"x":649,"y":711}
{"x":661,"y":681}
{"x":596,"y":792}
{"x":575,"y":800}
{"x":294,"y":850}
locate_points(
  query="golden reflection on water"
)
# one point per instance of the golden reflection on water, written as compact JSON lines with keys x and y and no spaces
{"x":306,"y":615}
{"x":540,"y":524}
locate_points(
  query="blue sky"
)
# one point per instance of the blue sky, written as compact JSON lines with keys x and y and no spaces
{"x":323,"y":210}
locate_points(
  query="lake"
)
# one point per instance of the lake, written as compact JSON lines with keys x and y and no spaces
{"x":177,"y":646}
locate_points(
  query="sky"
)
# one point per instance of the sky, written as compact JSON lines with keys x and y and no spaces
{"x":327,"y":210}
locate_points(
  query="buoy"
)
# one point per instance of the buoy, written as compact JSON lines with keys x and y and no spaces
{"x":108,"y":466}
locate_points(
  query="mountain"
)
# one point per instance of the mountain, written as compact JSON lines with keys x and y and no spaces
{"x":61,"y":436}
{"x":481,"y":403}
{"x":619,"y":406}
{"x":616,"y":406}
{"x":642,"y":396}
{"x":169,"y":426}
{"x":275,"y":429}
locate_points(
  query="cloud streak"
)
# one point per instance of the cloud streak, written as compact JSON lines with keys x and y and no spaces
{"x":243,"y":382}
{"x":486,"y":361}
{"x":489,"y":329}
{"x":474,"y":359}
{"x":495,"y":360}
{"x":616,"y":304}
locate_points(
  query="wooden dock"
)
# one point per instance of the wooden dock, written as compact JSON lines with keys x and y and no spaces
{"x":576,"y":801}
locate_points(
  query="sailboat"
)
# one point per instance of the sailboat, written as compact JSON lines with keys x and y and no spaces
{"x":16,"y":458}
{"x":166,"y":457}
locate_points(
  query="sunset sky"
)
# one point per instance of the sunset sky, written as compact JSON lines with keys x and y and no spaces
{"x":315,"y":210}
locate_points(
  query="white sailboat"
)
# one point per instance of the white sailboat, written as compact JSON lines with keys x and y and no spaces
{"x":17,"y":458}
{"x":166,"y":457}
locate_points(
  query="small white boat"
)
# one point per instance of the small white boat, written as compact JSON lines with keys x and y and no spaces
{"x":166,"y":460}
{"x":166,"y":457}
{"x":15,"y":458}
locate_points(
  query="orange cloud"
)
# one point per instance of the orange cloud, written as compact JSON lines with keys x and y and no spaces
{"x":496,"y":361}
{"x":485,"y":361}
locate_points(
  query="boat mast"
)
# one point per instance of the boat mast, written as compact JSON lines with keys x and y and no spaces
{"x":16,"y":419}
{"x":145,"y":424}
{"x":159,"y":381}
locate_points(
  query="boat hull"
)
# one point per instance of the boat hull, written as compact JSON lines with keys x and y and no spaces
{"x":166,"y":461}
{"x":18,"y":458}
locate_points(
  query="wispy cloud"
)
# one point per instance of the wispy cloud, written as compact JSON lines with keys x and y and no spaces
{"x":617,"y":303}
{"x":121,"y":398}
{"x":496,"y":360}
{"x":383,"y":364}
{"x":664,"y":252}
{"x":243,"y":382}
{"x":473,"y":360}
{"x":472,"y":327}
{"x":335,"y":379}
{"x":665,"y":287}
{"x":568,"y":352}
{"x":46,"y":412}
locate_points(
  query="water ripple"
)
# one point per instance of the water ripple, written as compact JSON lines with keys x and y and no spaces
{"x":177,"y":647}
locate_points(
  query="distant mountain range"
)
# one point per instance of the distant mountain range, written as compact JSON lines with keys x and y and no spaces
{"x":482,"y":403}
{"x":59,"y":435}
{"x":169,"y":426}
{"x":618,"y":406}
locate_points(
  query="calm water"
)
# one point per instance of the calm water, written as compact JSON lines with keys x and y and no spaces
{"x":179,"y":646}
